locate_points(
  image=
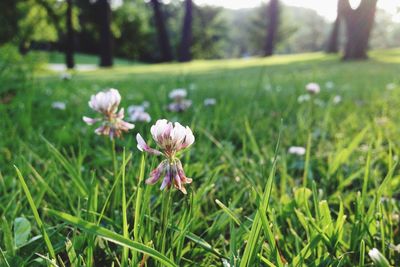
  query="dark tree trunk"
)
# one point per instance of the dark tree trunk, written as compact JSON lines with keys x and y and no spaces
{"x":69,"y":46}
{"x":333,"y":42}
{"x":272,"y":28}
{"x":359,"y":24}
{"x":186,"y":41}
{"x":163,"y":39}
{"x":106,"y":57}
{"x":8,"y":18}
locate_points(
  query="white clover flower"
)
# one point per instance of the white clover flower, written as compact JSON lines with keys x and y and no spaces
{"x":135,"y":108}
{"x":180,"y":106}
{"x":378,"y":258}
{"x":59,"y":105}
{"x":112,"y":123}
{"x":313,"y":88}
{"x":65,"y":76}
{"x":297,"y":150}
{"x":391,"y":86}
{"x":137,"y":113}
{"x":140,"y":116}
{"x":170,"y":138}
{"x":329,"y":85}
{"x":303,"y":98}
{"x":210,"y":102}
{"x":337,"y":99}
{"x":179,"y":93}
{"x":105,"y":102}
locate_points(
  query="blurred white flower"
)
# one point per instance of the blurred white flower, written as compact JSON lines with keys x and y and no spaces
{"x":135,"y":108}
{"x":59,"y":105}
{"x":391,"y":86}
{"x":170,"y":138}
{"x":297,"y":150}
{"x":65,"y":76}
{"x":210,"y":102}
{"x":303,"y":98}
{"x":329,"y":85}
{"x":180,"y":106}
{"x":313,"y":88}
{"x":337,"y":99}
{"x":138,"y":113}
{"x":112,"y":123}
{"x":140,"y":116}
{"x":378,"y":258}
{"x":177,"y":94}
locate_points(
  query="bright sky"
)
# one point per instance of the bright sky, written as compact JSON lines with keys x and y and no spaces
{"x":326,"y":8}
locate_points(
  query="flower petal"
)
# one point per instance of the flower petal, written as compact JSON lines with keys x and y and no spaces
{"x":142,"y":146}
{"x":156,"y":173}
{"x":90,"y":121}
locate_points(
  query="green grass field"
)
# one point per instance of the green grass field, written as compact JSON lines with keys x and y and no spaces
{"x":251,"y":203}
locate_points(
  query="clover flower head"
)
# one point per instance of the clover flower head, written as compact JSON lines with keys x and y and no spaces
{"x":170,"y":138}
{"x":59,"y":105}
{"x":391,"y":86}
{"x":313,"y":88}
{"x":337,"y":99}
{"x":179,"y":93}
{"x":210,"y":102}
{"x":138,"y":113}
{"x":303,"y":98}
{"x":180,"y":106}
{"x":297,"y":150}
{"x":112,"y":124}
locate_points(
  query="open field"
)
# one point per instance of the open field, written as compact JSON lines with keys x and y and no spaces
{"x":329,"y":207}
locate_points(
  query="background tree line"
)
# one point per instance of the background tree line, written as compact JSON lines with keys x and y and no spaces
{"x":153,"y":31}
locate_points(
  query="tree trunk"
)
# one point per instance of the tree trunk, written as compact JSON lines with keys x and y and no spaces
{"x":186,"y":40}
{"x":69,"y":46}
{"x":359,"y":24}
{"x":333,"y":42}
{"x":106,"y":58}
{"x":272,"y":28}
{"x":163,"y":39}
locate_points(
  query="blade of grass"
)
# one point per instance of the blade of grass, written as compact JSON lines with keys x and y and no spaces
{"x":36,"y":214}
{"x":230,"y":213}
{"x":307,"y":161}
{"x":125,"y":231}
{"x":138,"y":204}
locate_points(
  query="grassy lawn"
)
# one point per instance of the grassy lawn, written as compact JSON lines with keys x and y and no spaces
{"x":329,"y":207}
{"x":59,"y":58}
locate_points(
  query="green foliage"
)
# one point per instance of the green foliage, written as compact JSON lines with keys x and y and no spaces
{"x":16,"y":71}
{"x":210,"y":32}
{"x":132,"y":32}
